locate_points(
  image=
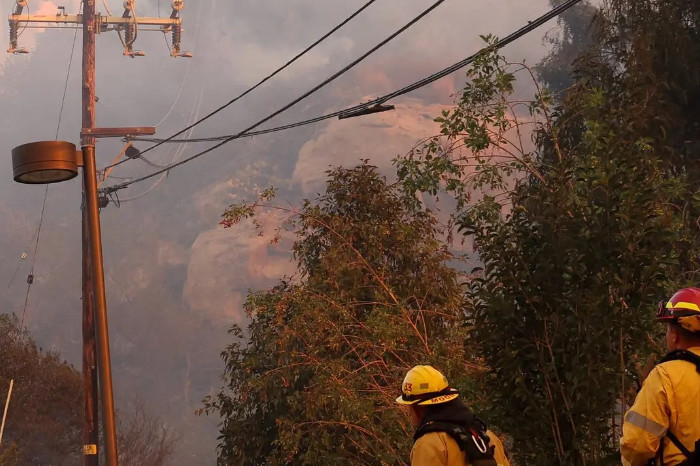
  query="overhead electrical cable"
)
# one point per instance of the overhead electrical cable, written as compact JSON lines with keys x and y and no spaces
{"x":263,"y":81}
{"x":109,"y":12}
{"x":30,"y":277}
{"x":290,"y":104}
{"x":65,"y":87}
{"x":531,"y":25}
{"x":177,"y":155}
{"x":271,"y":75}
{"x":383,"y":99}
{"x":26,"y":22}
{"x":189,"y":64}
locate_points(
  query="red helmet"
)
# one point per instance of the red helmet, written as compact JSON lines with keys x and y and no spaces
{"x":683,"y":308}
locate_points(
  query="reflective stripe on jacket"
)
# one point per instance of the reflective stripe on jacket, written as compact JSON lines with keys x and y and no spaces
{"x":669,"y":399}
{"x":439,"y":449}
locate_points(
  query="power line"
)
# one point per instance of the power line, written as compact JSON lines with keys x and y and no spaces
{"x":531,"y":25}
{"x":30,"y":277}
{"x":193,"y":116}
{"x":271,"y":75}
{"x":26,"y":23}
{"x":65,"y":87}
{"x":290,"y":104}
{"x":189,"y":64}
{"x":251,"y":89}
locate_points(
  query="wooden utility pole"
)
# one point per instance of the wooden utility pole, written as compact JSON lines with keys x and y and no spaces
{"x":92,"y":227}
{"x":95,"y":328}
{"x":90,"y":397}
{"x":91,"y":412}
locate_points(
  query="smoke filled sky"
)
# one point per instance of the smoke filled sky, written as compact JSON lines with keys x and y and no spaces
{"x":175,"y":280}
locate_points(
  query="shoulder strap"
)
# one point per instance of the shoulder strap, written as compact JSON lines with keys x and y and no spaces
{"x":679,"y":445}
{"x":471,"y":440}
{"x":683,"y":355}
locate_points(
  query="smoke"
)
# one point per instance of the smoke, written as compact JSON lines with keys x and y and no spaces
{"x":176,"y":280}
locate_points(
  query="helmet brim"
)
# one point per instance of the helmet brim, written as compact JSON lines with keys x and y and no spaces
{"x":439,"y":399}
{"x":401,"y":401}
{"x":666,"y":318}
{"x":432,"y":401}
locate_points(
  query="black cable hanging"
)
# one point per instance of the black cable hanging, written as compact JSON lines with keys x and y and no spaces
{"x":292,"y":103}
{"x":30,"y":277}
{"x":380,"y":100}
{"x":267,"y":78}
{"x":531,"y":25}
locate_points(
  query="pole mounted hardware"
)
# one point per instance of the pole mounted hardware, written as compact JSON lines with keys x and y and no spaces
{"x":378,"y":108}
{"x":128,"y":24}
{"x":14,"y":26}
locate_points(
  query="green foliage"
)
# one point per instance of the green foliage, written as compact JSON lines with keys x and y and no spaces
{"x":479,"y":149}
{"x":582,"y":235}
{"x":327,"y":350}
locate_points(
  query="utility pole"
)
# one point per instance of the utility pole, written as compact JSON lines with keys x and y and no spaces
{"x":90,"y":374}
{"x":90,"y":396}
{"x":95,"y":324}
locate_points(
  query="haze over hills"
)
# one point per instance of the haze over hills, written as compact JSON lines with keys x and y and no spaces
{"x":175,"y":279}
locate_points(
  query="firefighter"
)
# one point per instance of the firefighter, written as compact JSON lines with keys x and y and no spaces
{"x":663,"y":424}
{"x":447,"y":432}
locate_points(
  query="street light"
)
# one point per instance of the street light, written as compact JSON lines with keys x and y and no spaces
{"x":45,"y":162}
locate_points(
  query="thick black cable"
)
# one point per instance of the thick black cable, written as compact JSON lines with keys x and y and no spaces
{"x":531,"y":25}
{"x":380,"y":100}
{"x":268,"y":77}
{"x":26,"y":300}
{"x":290,"y":104}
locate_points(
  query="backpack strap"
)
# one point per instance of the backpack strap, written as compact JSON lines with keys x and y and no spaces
{"x":472,"y":440}
{"x":679,"y":445}
{"x":683,"y":355}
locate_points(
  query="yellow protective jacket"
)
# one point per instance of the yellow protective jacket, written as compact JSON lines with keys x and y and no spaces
{"x":440,"y":449}
{"x":669,"y":400}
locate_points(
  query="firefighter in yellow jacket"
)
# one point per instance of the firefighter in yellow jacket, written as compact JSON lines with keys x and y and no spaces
{"x":447,"y":433}
{"x":664,"y":421}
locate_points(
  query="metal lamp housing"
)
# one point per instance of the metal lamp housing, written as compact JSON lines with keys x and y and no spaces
{"x":45,"y":162}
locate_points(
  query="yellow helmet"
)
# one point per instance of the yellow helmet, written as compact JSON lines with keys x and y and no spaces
{"x":425,"y":385}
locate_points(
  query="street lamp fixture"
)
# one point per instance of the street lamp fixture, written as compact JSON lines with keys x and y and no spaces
{"x":45,"y":162}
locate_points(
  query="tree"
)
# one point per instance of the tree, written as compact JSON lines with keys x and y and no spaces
{"x":326,"y":349}
{"x":570,"y":42}
{"x":143,"y":439}
{"x":44,"y":419}
{"x":581,"y":235}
